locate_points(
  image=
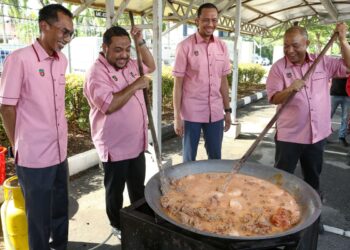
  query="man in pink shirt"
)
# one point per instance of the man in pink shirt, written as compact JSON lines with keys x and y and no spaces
{"x":32,"y":108}
{"x":118,"y":117}
{"x":201,"y":98}
{"x":304,"y":124}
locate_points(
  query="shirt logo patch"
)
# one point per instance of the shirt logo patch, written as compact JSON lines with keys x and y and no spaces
{"x":115,"y":78}
{"x":132,"y":74}
{"x":42,"y":72}
{"x":196,"y":53}
{"x":289,"y":75}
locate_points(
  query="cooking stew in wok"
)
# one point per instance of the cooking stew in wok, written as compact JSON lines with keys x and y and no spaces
{"x":249,"y":206}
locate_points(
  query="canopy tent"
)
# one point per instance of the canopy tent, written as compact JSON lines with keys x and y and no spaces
{"x":251,"y":17}
{"x":257,"y":16}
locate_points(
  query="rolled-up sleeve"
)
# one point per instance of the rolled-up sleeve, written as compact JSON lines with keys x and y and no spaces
{"x":335,"y":66}
{"x":98,"y":91}
{"x":274,"y":82}
{"x":180,"y":61}
{"x":12,"y":80}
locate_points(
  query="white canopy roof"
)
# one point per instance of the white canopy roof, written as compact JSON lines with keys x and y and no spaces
{"x":257,"y":16}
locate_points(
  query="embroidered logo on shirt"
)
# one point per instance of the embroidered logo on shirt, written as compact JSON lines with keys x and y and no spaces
{"x":289,"y":74}
{"x":115,"y":78}
{"x":132,"y":74}
{"x":41,"y":72}
{"x":196,"y":53}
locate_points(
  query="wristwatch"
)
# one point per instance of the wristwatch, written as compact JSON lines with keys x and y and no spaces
{"x":142,"y":42}
{"x":229,"y":110}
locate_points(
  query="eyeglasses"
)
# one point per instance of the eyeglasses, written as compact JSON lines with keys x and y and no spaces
{"x":208,"y":20}
{"x":65,"y":32}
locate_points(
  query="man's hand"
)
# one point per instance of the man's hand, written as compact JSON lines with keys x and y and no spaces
{"x":342,"y":29}
{"x":179,"y":127}
{"x":136,"y":33}
{"x":227,"y":121}
{"x":142,"y":82}
{"x":296,"y":85}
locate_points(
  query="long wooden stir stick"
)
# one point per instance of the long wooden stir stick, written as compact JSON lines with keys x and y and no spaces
{"x":238,"y":165}
{"x":163,"y":180}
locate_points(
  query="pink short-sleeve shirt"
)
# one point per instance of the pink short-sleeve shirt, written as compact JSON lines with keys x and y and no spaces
{"x":306,"y":118}
{"x":122,"y":134}
{"x":202,"y":66}
{"x":34,"y":82}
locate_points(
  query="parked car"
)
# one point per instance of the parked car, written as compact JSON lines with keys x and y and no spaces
{"x":265,"y":61}
{"x":3,"y":55}
{"x":257,"y":59}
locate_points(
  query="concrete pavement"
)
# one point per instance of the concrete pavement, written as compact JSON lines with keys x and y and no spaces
{"x":89,"y":224}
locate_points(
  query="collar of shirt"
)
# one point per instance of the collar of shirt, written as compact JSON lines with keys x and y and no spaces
{"x":200,"y":39}
{"x":41,"y":53}
{"x":308,"y":58}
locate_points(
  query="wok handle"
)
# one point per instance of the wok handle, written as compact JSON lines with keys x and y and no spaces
{"x":163,"y":180}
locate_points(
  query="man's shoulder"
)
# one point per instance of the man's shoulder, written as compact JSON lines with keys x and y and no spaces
{"x":22,"y":53}
{"x":187,"y":41}
{"x":279,"y":64}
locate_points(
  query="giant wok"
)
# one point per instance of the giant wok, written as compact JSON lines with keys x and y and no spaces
{"x":305,"y":195}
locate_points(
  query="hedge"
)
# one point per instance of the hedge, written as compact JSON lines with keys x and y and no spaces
{"x":77,"y":108}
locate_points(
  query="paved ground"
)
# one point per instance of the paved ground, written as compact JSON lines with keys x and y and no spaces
{"x":89,"y":225}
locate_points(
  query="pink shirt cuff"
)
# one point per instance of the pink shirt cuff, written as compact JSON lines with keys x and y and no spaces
{"x":178,"y":74}
{"x":8,"y":101}
{"x":106,"y":103}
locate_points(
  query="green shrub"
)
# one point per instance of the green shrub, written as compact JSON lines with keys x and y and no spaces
{"x":249,"y":73}
{"x":77,"y":107}
{"x":167,"y":84}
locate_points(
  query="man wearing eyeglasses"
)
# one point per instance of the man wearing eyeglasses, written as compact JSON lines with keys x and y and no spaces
{"x":201,"y":99}
{"x":32,"y":91}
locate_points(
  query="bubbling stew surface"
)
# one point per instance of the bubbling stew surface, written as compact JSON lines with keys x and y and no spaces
{"x":249,"y":207}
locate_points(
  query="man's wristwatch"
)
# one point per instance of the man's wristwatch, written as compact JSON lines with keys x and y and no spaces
{"x":229,"y":110}
{"x":142,"y":42}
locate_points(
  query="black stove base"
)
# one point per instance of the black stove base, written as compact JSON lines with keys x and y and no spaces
{"x":143,"y":230}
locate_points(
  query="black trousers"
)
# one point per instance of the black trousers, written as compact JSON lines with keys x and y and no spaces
{"x":45,"y":193}
{"x":132,"y":172}
{"x":310,"y":156}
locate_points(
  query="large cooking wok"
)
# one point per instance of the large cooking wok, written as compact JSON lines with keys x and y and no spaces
{"x":305,"y":195}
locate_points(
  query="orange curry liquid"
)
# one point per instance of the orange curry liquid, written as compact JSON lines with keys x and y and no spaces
{"x":249,"y":207}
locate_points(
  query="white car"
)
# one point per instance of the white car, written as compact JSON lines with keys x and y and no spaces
{"x":257,"y":59}
{"x":265,"y":61}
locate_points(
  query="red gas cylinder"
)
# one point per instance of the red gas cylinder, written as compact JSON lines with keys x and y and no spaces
{"x":3,"y":152}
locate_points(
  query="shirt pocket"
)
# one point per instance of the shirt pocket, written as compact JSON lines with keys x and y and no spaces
{"x":219,"y":63}
{"x":62,"y":79}
{"x":319,"y":76}
{"x":196,"y":61}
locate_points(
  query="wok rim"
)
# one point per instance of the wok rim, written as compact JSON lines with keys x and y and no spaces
{"x":155,"y":182}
